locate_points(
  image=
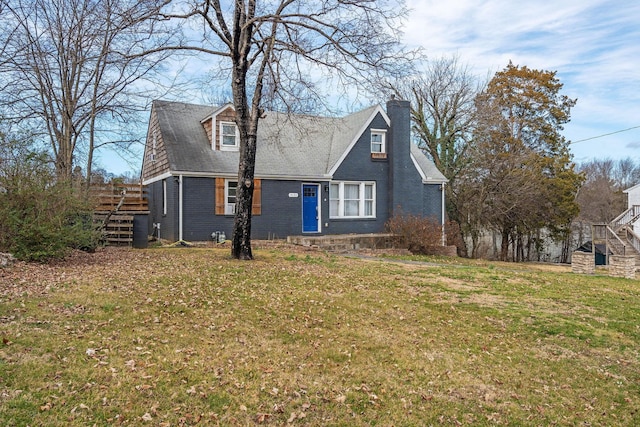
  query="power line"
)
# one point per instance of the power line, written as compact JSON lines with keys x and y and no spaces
{"x":603,"y":135}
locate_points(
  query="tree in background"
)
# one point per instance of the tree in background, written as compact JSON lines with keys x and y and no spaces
{"x":520,"y":177}
{"x":277,"y":51}
{"x":443,"y":114}
{"x":68,"y":68}
{"x":601,"y":198}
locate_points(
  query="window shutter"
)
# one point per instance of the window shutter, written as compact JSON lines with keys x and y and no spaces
{"x":219,"y":196}
{"x":256,"y":206}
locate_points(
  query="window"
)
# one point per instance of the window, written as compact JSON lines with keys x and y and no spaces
{"x":352,"y":200}
{"x":229,"y":136}
{"x":230,"y":197}
{"x":378,"y":138}
{"x":226,"y":196}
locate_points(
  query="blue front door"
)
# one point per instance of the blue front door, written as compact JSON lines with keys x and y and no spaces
{"x":310,"y":208}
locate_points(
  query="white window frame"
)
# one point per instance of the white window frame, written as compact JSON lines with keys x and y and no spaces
{"x":382,"y":143}
{"x":228,"y":147}
{"x":340,"y":199}
{"x":229,"y":208}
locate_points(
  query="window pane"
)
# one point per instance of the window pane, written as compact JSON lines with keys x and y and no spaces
{"x":351,"y":191}
{"x":368,"y":200}
{"x":351,"y":207}
{"x":228,"y":134}
{"x":368,"y":208}
{"x":368,"y":192}
{"x":334,"y":191}
{"x":333,"y":208}
{"x":231,"y":192}
{"x":376,"y":143}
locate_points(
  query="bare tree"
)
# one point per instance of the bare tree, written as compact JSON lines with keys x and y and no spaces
{"x":443,"y":113}
{"x":601,"y":196}
{"x":68,"y":67}
{"x":273,"y":49}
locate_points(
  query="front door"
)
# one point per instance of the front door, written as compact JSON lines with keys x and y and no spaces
{"x":310,"y":213}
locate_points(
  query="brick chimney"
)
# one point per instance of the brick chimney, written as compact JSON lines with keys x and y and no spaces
{"x":401,"y":168}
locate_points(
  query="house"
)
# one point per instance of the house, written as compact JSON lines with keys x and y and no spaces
{"x":314,"y":175}
{"x":633,"y":204}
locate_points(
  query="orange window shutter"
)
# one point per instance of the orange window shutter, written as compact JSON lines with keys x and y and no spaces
{"x":219,"y":196}
{"x":256,"y":206}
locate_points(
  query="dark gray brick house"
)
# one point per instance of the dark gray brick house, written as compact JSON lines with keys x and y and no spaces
{"x":314,"y":175}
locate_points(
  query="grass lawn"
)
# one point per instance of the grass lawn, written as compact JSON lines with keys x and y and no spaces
{"x":188,"y":336}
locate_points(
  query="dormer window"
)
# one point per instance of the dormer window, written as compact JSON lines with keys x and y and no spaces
{"x":378,"y":144}
{"x":229,"y":136}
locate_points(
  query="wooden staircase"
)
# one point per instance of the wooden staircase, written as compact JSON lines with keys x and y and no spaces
{"x":618,"y":235}
{"x":115,"y":208}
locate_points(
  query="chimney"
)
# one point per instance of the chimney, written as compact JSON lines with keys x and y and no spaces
{"x":399,"y":140}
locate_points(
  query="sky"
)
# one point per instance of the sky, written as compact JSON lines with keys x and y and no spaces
{"x":593,"y":45}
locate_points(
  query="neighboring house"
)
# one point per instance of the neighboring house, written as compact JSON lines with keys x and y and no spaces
{"x":314,"y":175}
{"x":633,"y":199}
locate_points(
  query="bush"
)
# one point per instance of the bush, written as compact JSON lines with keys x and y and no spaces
{"x":415,"y":232}
{"x":40,"y":218}
{"x":423,"y":235}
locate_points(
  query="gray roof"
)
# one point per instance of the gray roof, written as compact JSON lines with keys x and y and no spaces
{"x":293,"y":146}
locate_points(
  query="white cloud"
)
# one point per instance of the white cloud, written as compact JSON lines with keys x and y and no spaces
{"x":594,"y":45}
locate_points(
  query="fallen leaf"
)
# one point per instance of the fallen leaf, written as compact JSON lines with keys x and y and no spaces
{"x":147,"y":417}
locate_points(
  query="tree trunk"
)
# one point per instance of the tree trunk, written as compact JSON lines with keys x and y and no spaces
{"x":504,"y":248}
{"x":241,"y":239}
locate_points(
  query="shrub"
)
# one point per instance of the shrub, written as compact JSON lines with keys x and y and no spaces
{"x":40,"y":218}
{"x":423,"y":235}
{"x":415,"y":232}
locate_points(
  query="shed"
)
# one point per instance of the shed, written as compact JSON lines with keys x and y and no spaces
{"x":601,"y":251}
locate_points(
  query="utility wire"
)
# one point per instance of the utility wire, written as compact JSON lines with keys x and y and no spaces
{"x":603,"y":135}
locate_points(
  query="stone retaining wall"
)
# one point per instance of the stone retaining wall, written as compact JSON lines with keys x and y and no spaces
{"x":622,"y":266}
{"x":583,"y":263}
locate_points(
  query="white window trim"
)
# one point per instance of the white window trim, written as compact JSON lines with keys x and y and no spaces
{"x":362,"y":200}
{"x":229,"y":147}
{"x":229,"y":208}
{"x":383,"y":134}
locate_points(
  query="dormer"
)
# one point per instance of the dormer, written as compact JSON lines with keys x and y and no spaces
{"x":222,"y":130}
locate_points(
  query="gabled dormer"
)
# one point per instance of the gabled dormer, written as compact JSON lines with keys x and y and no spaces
{"x":222,"y":130}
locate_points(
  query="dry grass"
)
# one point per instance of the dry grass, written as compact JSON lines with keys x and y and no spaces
{"x":175,"y":337}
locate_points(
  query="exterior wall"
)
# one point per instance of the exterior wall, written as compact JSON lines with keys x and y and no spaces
{"x":169,"y":222}
{"x":633,"y":196}
{"x":359,"y":166}
{"x":281,"y":212}
{"x":198,"y":203}
{"x":432,"y":201}
{"x":633,"y":199}
{"x":155,"y":162}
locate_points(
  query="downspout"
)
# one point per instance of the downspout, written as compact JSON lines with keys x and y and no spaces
{"x":444,"y":235}
{"x":180,"y":208}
